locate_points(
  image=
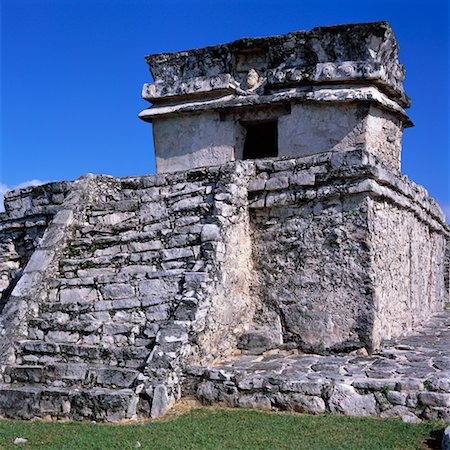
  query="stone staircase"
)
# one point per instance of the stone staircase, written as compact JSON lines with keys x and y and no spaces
{"x":66,"y":369}
{"x":113,"y":319}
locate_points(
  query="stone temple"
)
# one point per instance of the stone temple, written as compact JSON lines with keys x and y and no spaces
{"x":278,"y":259}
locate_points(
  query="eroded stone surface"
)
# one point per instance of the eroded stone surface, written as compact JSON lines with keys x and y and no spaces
{"x":156,"y":273}
{"x":405,"y":379}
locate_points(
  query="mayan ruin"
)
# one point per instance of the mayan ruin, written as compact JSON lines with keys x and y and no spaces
{"x":278,"y":259}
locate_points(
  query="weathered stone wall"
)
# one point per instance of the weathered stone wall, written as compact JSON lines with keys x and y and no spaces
{"x":206,"y":141}
{"x":311,"y":254}
{"x":407,"y":269}
{"x":315,"y":128}
{"x":301,"y":249}
{"x":383,"y":137}
{"x":211,"y":138}
{"x":136,"y":278}
{"x":156,"y":271}
{"x":313,"y":267}
{"x":26,"y":217}
{"x":333,"y":271}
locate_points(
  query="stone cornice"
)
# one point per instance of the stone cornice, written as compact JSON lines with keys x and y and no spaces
{"x":323,"y":93}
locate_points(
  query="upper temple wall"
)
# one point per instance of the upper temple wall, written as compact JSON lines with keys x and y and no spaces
{"x":334,"y":88}
{"x":364,"y":52}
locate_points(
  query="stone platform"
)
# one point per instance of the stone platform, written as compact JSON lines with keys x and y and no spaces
{"x":409,"y":378}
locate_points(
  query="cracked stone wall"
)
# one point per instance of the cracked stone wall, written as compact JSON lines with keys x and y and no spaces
{"x":26,"y":217}
{"x":136,"y":278}
{"x":313,"y":267}
{"x":343,"y":260}
{"x":407,"y":269}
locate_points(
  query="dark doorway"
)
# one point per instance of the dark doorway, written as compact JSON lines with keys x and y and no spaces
{"x":261,"y":140}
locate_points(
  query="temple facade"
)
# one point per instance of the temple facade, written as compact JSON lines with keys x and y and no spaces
{"x":277,"y":259}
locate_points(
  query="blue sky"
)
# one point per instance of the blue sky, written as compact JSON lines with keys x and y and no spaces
{"x":72,"y":72}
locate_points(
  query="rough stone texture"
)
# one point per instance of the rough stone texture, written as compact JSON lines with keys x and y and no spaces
{"x":345,"y":400}
{"x":331,"y":254}
{"x":204,"y":99}
{"x":365,"y":51}
{"x":402,"y":246}
{"x":315,"y":128}
{"x":27,"y":215}
{"x":137,"y":278}
{"x":408,"y":379}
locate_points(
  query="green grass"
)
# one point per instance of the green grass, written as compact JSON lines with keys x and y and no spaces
{"x":208,"y":428}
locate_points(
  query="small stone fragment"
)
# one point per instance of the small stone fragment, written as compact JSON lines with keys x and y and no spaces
{"x":160,"y":403}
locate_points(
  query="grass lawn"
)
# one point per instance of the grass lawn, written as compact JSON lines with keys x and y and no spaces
{"x":211,"y":428}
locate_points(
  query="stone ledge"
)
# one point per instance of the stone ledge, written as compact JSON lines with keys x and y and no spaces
{"x":326,"y":94}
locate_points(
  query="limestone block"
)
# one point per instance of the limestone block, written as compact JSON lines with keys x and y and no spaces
{"x":117,"y":291}
{"x":61,"y":337}
{"x":210,"y":232}
{"x":158,"y":312}
{"x":276,"y":183}
{"x":78,"y":295}
{"x":27,"y":285}
{"x":145,"y":246}
{"x":116,"y":328}
{"x":302,"y":178}
{"x":307,"y":404}
{"x":126,"y":303}
{"x":53,"y":237}
{"x":397,"y":398}
{"x":207,"y":393}
{"x":114,"y":218}
{"x":176,"y":253}
{"x":439,"y":383}
{"x":40,"y":260}
{"x":258,"y":401}
{"x":346,"y":400}
{"x":434,"y":399}
{"x":158,"y":287}
{"x":161,"y":401}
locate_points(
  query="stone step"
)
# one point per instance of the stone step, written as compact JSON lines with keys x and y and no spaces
{"x":41,"y":401}
{"x":35,"y":352}
{"x":70,"y":374}
{"x":85,"y":327}
{"x":87,"y":306}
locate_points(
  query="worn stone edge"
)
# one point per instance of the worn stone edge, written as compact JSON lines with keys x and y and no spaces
{"x":324,"y":93}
